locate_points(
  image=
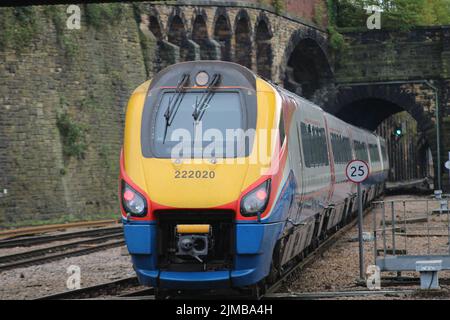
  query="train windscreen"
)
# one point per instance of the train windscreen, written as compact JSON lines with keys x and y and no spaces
{"x":193,"y":124}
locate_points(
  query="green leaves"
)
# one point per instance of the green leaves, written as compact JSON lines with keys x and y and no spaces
{"x":396,"y":14}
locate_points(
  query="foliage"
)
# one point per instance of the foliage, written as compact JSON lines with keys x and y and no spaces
{"x":396,"y":14}
{"x":73,"y":136}
{"x":18,"y":26}
{"x":337,"y":41}
{"x":101,"y":14}
{"x":278,"y":5}
{"x":319,"y":13}
{"x":66,"y":39}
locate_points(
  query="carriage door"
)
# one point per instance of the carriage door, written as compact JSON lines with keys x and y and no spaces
{"x":295,"y":158}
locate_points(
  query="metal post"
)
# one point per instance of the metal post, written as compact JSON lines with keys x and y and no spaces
{"x":406,"y":232}
{"x":393,"y":228}
{"x":384,"y":231}
{"x":438,"y":142}
{"x":360,"y":234}
{"x":428,"y":230}
{"x":374,"y":224}
{"x":448,"y":227}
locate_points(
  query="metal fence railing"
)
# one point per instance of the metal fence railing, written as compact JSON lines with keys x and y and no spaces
{"x":407,"y":231}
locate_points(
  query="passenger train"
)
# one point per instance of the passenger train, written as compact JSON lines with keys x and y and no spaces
{"x":229,"y":217}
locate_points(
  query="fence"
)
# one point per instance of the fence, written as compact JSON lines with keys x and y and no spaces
{"x":411,"y":235}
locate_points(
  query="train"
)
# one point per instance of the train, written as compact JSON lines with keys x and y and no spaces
{"x":228,"y":180}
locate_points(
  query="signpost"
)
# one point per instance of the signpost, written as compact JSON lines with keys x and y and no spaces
{"x":447,"y":165}
{"x":357,"y":171}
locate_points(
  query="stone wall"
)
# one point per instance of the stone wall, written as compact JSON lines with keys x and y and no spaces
{"x":62,"y":99}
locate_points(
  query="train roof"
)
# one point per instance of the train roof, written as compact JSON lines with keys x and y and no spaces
{"x":232,"y":74}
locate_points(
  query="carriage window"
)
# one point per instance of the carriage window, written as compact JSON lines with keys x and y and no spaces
{"x":374,"y":154}
{"x":281,"y":128}
{"x":361,"y":151}
{"x":314,"y":145}
{"x":341,"y":148}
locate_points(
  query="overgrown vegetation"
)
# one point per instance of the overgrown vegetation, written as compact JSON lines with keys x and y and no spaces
{"x":396,"y":14}
{"x":73,"y":136}
{"x":336,"y":39}
{"x":66,"y":38}
{"x":18,"y":26}
{"x":101,"y":14}
{"x":278,"y":5}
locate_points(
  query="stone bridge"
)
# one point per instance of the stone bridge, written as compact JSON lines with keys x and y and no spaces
{"x":280,"y":47}
{"x":377,"y":74}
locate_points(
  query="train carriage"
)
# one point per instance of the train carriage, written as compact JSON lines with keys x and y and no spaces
{"x":225,"y":178}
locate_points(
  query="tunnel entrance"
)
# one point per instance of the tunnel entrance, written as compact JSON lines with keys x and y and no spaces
{"x":409,"y":139}
{"x":410,"y":156}
{"x":307,"y":69}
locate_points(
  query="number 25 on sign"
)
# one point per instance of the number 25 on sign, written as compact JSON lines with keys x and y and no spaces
{"x":357,"y":171}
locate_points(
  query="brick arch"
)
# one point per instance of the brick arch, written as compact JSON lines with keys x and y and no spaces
{"x":264,"y":52}
{"x":306,"y":66}
{"x":243,"y":39}
{"x":223,"y":33}
{"x":200,"y":35}
{"x":177,"y":33}
{"x":155,"y":26}
{"x":199,"y":13}
{"x":262,"y":18}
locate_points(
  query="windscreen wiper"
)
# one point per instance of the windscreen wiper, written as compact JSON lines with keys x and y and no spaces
{"x":203,"y":103}
{"x":174,"y":103}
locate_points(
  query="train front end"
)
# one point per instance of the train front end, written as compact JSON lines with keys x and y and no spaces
{"x":200,"y":177}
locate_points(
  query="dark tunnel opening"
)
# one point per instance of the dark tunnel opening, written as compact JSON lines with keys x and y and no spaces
{"x":410,"y":152}
{"x":307,"y":69}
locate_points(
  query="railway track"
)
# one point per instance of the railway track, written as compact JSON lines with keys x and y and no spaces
{"x":35,"y":240}
{"x":108,"y":290}
{"x":74,"y":248}
{"x":5,"y":234}
{"x":113,"y":288}
{"x":313,"y":256}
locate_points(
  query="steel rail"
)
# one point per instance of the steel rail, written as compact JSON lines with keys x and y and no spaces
{"x":29,"y":241}
{"x":43,"y":229}
{"x":335,"y":294}
{"x":58,"y":256}
{"x":61,"y":247}
{"x":94,"y":291}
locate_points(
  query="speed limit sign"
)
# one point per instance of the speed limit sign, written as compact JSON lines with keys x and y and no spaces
{"x":357,"y":171}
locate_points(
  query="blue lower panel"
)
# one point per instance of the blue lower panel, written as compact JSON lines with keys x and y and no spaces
{"x":139,"y":238}
{"x":254,"y":248}
{"x":194,"y":280}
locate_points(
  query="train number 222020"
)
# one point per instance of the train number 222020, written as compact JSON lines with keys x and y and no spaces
{"x":194,"y":174}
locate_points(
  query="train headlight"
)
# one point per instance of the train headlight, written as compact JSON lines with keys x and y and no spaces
{"x":133,"y":202}
{"x":255,"y":202}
